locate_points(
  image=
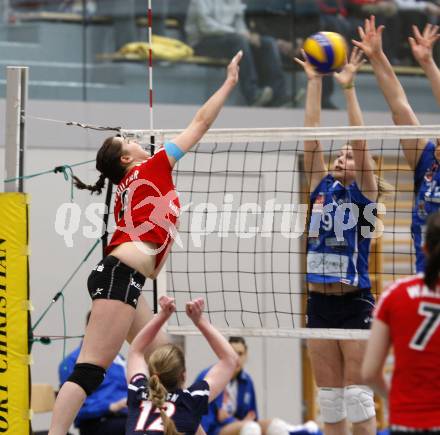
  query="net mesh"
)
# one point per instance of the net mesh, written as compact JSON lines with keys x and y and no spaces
{"x":245,"y":200}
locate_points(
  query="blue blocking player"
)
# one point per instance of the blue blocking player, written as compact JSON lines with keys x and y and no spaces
{"x":422,"y":155}
{"x":343,"y":215}
{"x":160,"y":403}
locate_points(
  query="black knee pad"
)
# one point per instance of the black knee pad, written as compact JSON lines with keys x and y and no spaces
{"x":88,"y":376}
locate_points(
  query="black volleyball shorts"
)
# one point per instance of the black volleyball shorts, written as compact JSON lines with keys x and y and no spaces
{"x":353,"y":310}
{"x":112,"y":279}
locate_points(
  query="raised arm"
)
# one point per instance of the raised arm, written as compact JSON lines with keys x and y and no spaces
{"x":220,"y":373}
{"x":136,"y":355}
{"x":422,"y":46}
{"x":365,"y":177}
{"x":374,"y":358}
{"x":207,"y":113}
{"x":314,"y":164}
{"x":371,"y":45}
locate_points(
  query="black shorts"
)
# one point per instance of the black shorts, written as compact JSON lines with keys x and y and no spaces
{"x":112,"y":279}
{"x":353,"y":310}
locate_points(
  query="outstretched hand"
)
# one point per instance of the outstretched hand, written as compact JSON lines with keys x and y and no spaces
{"x":422,"y":44}
{"x":371,"y":37}
{"x":167,"y":305}
{"x":309,"y":69}
{"x":194,"y":310}
{"x":348,"y":73}
{"x":233,"y":69}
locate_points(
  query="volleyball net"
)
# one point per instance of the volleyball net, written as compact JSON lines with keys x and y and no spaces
{"x":243,"y":225}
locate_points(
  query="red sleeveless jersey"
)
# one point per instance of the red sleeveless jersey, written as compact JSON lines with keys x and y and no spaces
{"x":412,"y":312}
{"x":147,"y":206}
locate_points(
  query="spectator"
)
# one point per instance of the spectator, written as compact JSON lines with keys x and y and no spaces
{"x":105,"y":411}
{"x":333,"y":18}
{"x":430,"y":9}
{"x":234,"y":411}
{"x":276,"y":20}
{"x":386,"y":12}
{"x":125,"y":13}
{"x":418,"y":13}
{"x":218,"y":29}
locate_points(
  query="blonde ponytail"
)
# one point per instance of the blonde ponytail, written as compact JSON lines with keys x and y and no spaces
{"x":383,"y":188}
{"x":167,"y":367}
{"x":157,"y":396}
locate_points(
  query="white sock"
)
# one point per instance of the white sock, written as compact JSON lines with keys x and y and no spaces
{"x":250,"y":428}
{"x":277,"y":427}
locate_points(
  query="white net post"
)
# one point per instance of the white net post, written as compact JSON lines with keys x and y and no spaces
{"x":16,"y":102}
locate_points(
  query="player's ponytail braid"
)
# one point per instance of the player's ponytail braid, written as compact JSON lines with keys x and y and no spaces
{"x":95,"y":188}
{"x":108,"y":163}
{"x":166,"y":366}
{"x":157,"y":396}
{"x":383,"y":188}
{"x":432,"y":241}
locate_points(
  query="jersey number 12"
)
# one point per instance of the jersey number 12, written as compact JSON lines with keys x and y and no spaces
{"x":156,"y":424}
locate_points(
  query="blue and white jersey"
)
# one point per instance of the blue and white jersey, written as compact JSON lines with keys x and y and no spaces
{"x":426,"y":199}
{"x":341,"y":224}
{"x":184,"y":407}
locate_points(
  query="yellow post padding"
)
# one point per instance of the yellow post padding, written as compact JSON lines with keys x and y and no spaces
{"x":14,"y":292}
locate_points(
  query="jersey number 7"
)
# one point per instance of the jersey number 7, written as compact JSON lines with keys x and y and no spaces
{"x":156,"y":424}
{"x":431,"y":321}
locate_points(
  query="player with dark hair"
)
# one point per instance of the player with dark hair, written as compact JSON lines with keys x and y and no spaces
{"x":343,"y":215}
{"x":160,"y":403}
{"x":146,"y":213}
{"x":407,"y":319}
{"x":422,"y":155}
{"x":234,"y":411}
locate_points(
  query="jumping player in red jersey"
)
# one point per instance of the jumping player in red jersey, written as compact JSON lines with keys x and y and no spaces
{"x":146,"y":212}
{"x":407,"y":318}
{"x":160,"y":403}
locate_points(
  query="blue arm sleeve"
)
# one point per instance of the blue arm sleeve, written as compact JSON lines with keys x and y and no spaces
{"x":173,"y":151}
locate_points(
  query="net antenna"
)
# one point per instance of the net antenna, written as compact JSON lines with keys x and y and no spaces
{"x":159,"y":288}
{"x":245,"y":201}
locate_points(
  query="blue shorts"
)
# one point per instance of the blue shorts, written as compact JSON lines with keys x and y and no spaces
{"x":353,"y":310}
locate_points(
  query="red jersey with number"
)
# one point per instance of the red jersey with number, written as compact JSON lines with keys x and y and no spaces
{"x":147,"y":206}
{"x":412,"y":312}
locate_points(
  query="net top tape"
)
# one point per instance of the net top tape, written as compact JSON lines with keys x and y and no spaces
{"x":302,"y":333}
{"x":289,"y":135}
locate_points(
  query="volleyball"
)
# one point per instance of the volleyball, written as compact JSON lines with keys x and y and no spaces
{"x":326,"y":51}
